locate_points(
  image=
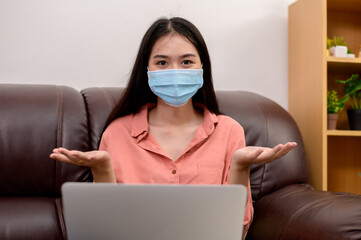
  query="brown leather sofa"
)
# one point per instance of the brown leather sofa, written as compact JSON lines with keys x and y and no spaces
{"x":34,"y":119}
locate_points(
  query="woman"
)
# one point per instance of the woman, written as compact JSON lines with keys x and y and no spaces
{"x":167,"y":127}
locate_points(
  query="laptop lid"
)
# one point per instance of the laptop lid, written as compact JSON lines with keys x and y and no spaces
{"x":153,"y":212}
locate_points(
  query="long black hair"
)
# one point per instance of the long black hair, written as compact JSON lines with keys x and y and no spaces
{"x":138,"y":92}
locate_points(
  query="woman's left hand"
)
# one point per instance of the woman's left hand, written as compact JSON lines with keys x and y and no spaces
{"x":261,"y":155}
{"x":243,"y":158}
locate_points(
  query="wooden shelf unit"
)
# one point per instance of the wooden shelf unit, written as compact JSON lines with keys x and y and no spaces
{"x":334,"y":156}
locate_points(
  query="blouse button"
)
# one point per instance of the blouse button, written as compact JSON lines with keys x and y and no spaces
{"x":174,"y":172}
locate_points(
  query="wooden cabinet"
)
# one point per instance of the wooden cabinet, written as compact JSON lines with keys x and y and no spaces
{"x":334,"y":156}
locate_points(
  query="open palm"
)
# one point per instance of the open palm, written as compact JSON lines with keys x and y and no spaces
{"x":261,"y":155}
{"x":90,"y":159}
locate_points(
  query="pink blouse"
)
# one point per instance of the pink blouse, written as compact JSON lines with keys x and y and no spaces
{"x":138,"y":158}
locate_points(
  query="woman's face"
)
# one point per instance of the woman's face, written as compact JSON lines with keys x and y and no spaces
{"x":174,"y":51}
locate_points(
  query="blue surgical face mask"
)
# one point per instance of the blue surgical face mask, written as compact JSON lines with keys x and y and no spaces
{"x":175,"y":86}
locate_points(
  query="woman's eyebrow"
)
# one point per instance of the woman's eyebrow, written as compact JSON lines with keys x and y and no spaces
{"x":183,"y":56}
{"x":160,"y":56}
{"x":188,"y":55}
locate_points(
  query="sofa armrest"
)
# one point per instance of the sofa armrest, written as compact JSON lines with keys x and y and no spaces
{"x":300,"y":212}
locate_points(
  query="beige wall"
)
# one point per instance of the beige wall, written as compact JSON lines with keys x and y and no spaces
{"x":86,"y":43}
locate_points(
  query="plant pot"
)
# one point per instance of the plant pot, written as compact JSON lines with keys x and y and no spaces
{"x":338,"y":51}
{"x":332,"y":121}
{"x":354,"y":118}
{"x":350,"y":55}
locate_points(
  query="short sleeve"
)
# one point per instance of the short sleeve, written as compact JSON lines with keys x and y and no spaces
{"x":237,"y":141}
{"x":103,"y":145}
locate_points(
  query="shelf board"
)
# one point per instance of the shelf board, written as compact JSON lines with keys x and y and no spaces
{"x":344,"y":133}
{"x":340,"y":60}
{"x":344,"y":64}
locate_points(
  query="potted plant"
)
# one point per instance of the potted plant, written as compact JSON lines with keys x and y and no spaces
{"x":350,"y":54}
{"x":334,"y":105}
{"x":353,"y":94}
{"x":337,"y":47}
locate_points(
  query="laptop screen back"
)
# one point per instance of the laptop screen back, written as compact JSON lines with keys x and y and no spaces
{"x":153,"y":212}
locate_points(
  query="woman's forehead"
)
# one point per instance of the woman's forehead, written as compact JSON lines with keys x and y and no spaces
{"x":173,"y":44}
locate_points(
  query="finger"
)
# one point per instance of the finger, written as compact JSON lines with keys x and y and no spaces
{"x":285,"y":149}
{"x":61,"y":158}
{"x":270,"y":154}
{"x":70,"y":153}
{"x":56,"y":150}
{"x":278,"y":151}
{"x":58,"y":154}
{"x":74,"y":156}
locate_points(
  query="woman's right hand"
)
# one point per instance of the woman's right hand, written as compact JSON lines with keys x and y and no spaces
{"x":98,"y":161}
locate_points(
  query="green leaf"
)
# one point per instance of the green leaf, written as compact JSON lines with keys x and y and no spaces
{"x":333,"y":103}
{"x":353,"y":90}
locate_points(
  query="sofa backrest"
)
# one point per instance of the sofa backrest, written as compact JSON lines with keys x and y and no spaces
{"x":35,"y":119}
{"x":265,"y":122}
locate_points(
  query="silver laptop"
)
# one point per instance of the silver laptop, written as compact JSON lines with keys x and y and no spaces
{"x":153,"y":212}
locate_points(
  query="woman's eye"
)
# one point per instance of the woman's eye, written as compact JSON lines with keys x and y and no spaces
{"x":162,"y":63}
{"x":186,"y":62}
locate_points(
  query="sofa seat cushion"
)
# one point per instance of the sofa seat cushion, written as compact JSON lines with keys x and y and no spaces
{"x":299,"y":212}
{"x":31,"y":218}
